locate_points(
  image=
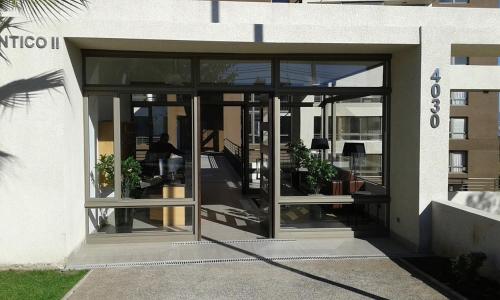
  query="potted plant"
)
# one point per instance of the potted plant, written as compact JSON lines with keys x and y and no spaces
{"x":319,"y":173}
{"x":300,"y":154}
{"x":131,"y":170}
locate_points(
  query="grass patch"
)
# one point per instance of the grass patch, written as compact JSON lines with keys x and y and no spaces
{"x":43,"y":284}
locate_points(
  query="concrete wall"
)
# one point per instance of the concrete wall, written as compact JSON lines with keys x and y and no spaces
{"x":488,"y":202}
{"x":458,"y":229}
{"x":404,"y":147}
{"x":41,"y":185}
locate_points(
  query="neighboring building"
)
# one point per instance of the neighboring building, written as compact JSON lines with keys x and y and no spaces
{"x":474,"y":146}
{"x":182,"y":122}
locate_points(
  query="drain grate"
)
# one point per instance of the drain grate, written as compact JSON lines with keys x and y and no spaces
{"x":223,"y":260}
{"x":233,"y":242}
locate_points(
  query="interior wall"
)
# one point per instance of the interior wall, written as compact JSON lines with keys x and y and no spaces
{"x":232,"y":124}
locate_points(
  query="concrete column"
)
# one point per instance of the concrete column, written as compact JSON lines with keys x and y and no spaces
{"x":434,"y":142}
{"x":419,"y":152}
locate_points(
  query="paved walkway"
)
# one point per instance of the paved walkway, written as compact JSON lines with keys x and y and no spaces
{"x":373,"y":278}
{"x":137,"y":254}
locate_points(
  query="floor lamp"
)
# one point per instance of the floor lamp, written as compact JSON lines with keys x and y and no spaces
{"x":355,"y":151}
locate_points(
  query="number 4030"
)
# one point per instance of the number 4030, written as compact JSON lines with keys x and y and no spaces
{"x":435,"y":93}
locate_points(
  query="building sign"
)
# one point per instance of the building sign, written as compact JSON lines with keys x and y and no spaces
{"x":435,"y":93}
{"x":29,"y":41}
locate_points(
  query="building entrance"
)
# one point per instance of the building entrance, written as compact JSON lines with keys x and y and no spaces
{"x":234,"y":162}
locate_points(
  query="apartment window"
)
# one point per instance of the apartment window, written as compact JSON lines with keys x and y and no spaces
{"x":459,"y":98}
{"x":458,"y":162}
{"x":459,"y":60}
{"x":359,"y":128}
{"x":458,"y":128}
{"x":254,"y":125}
{"x":318,"y":127}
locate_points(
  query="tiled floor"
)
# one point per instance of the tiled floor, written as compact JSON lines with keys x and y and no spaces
{"x":226,"y":213}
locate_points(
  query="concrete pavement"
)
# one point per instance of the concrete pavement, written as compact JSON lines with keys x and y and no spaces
{"x":369,"y":278}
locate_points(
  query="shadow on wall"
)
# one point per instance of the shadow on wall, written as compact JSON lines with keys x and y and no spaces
{"x":20,"y":93}
{"x":484,"y":201}
{"x":5,"y":159}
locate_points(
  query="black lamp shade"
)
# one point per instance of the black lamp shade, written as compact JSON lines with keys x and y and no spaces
{"x":353,"y":148}
{"x":319,"y":144}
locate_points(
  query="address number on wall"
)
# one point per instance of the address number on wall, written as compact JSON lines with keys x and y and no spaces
{"x":435,"y":93}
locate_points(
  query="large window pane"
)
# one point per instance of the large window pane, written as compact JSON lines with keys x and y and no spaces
{"x":109,"y":220}
{"x":308,"y":147}
{"x":101,"y":145}
{"x":137,"y":71}
{"x":331,"y":73}
{"x":156,"y":141}
{"x":366,"y":217}
{"x":300,"y":120}
{"x":235,"y":72}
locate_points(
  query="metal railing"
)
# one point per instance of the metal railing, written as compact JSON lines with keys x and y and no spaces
{"x":359,"y":136}
{"x":233,"y":148}
{"x":474,"y":184}
{"x":457,"y":169}
{"x":458,"y":135}
{"x":145,"y":140}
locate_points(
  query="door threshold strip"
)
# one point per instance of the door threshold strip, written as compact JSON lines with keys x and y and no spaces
{"x":233,"y":242}
{"x":222,"y":260}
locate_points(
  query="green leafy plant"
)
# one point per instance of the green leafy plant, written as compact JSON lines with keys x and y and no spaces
{"x":300,"y":154}
{"x":131,"y":171}
{"x":465,"y":267}
{"x":106,"y":169}
{"x":319,"y":172}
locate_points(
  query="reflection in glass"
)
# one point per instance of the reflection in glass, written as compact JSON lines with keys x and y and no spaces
{"x":157,"y":134}
{"x":101,"y":145}
{"x":108,"y":220}
{"x":315,"y":131}
{"x":370,"y":216}
{"x":331,"y":73}
{"x":235,"y":72}
{"x":135,"y":71}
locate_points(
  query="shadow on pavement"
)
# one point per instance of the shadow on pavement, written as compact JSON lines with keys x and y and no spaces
{"x":296,"y":271}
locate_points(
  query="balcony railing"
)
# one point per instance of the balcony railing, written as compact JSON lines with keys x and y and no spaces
{"x":458,"y":135}
{"x":457,"y":169}
{"x":474,"y":184}
{"x":359,"y":136}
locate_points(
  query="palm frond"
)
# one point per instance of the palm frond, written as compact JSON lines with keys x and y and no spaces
{"x":43,"y":10}
{"x":6,"y":5}
{"x":7,"y":23}
{"x":20,"y":92}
